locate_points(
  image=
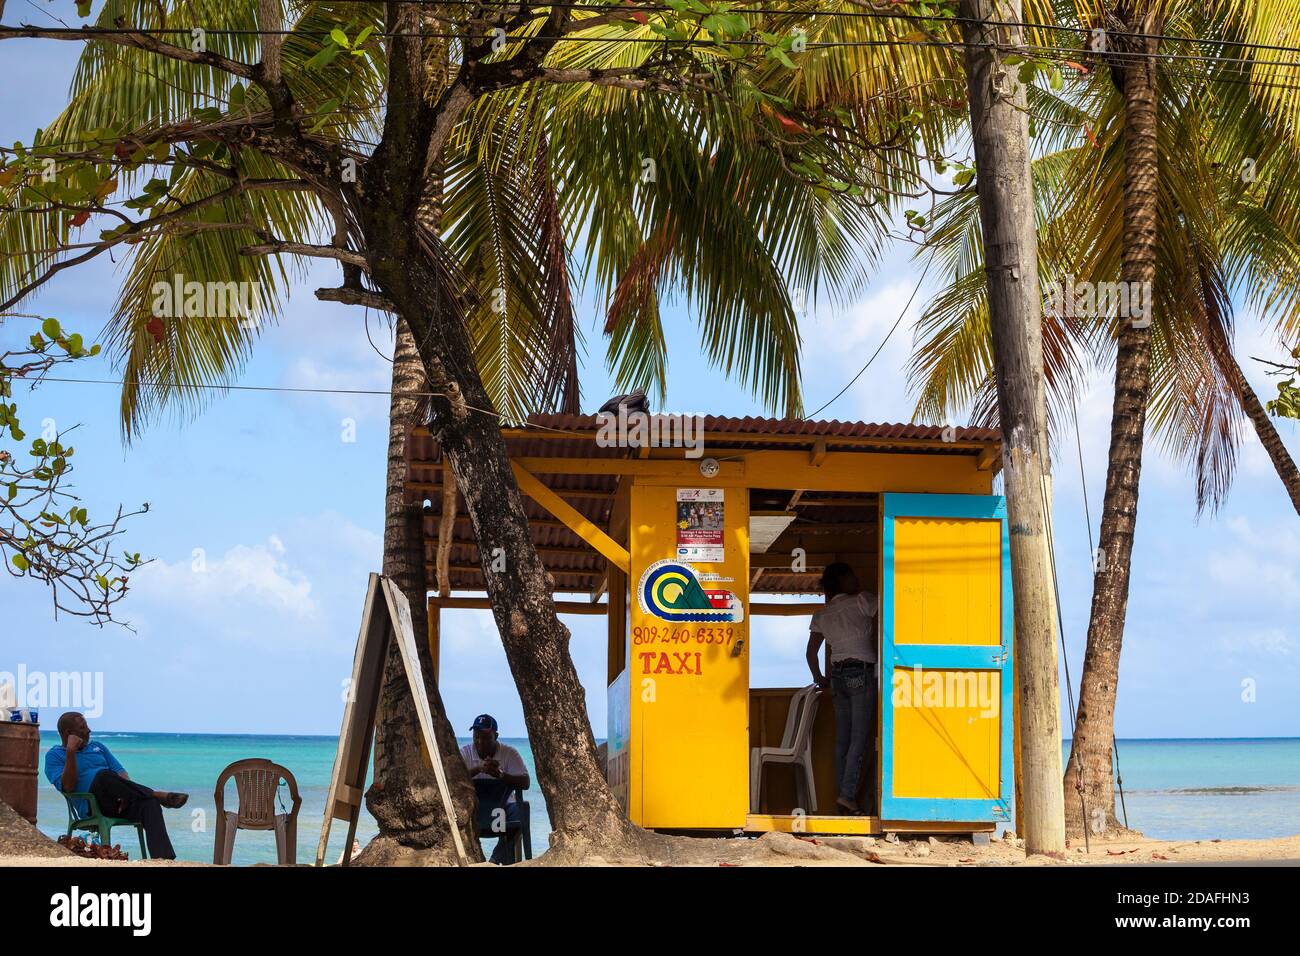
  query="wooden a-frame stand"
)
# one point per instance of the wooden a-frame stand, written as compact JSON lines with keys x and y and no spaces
{"x":382,"y":620}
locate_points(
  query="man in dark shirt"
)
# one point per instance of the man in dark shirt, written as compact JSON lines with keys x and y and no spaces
{"x":79,"y":765}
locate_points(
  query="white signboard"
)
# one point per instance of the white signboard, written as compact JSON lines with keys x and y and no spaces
{"x":381,"y":621}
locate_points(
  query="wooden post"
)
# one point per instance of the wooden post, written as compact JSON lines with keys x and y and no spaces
{"x":616,"y":626}
{"x":446,"y":531}
{"x":435,"y":639}
{"x":434,"y":620}
{"x":999,"y":120}
{"x":616,"y":603}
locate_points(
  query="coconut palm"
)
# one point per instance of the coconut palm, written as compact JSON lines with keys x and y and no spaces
{"x":1138,"y":176}
{"x":727,"y":222}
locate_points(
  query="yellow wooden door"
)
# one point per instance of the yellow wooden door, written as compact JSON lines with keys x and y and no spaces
{"x":946,"y":631}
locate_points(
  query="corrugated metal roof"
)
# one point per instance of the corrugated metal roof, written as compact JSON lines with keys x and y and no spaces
{"x":577,"y":568}
{"x":722,"y":425}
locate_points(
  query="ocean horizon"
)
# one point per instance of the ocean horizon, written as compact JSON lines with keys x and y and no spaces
{"x":1175,"y":788}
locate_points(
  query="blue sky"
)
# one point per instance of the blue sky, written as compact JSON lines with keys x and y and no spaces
{"x":288,"y":519}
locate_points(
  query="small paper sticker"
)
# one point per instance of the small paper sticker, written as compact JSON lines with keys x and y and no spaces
{"x":700,"y":525}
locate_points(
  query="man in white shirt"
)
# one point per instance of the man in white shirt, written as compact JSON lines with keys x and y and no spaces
{"x":847,"y":624}
{"x":497,"y":770}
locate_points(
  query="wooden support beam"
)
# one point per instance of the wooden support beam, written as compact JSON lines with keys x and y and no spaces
{"x":573,"y":519}
{"x":638,"y":467}
{"x":641,"y":468}
{"x":818,"y":453}
{"x":988,"y":457}
{"x":483,"y":604}
{"x":869,"y":501}
{"x":968,"y":449}
{"x":560,"y":550}
{"x":844,"y":527}
{"x":620,"y":512}
{"x":784,"y":610}
{"x":553,"y":572}
{"x":781,"y":563}
{"x":536,"y":522}
{"x":429,"y":487}
{"x":839,"y":471}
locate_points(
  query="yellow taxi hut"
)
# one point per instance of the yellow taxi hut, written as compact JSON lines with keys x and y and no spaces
{"x":681,"y":541}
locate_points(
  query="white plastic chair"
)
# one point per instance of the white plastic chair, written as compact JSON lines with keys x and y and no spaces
{"x":795,"y":749}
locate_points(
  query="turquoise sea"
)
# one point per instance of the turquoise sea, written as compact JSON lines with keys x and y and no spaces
{"x":190,"y":763}
{"x":1174,"y":789}
{"x":1198,"y":789}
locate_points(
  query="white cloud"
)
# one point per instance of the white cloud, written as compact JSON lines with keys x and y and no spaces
{"x":780,"y":635}
{"x":336,"y":539}
{"x":312,"y":372}
{"x":1259,"y":570}
{"x":257,"y":575}
{"x":1272,"y":641}
{"x":1283,"y":543}
{"x":470,"y":638}
{"x":838,"y":343}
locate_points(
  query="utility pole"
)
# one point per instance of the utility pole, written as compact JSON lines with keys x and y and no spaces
{"x":1000,"y":130}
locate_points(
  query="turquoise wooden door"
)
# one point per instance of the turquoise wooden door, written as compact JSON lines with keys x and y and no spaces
{"x":946,"y":679}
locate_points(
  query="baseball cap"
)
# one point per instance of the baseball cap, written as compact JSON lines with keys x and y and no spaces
{"x":484,"y":722}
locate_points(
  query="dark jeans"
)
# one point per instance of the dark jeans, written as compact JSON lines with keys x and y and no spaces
{"x":119,"y":797}
{"x":496,"y":816}
{"x":853,"y":692}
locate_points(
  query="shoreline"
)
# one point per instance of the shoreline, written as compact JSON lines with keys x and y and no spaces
{"x":518,"y":738}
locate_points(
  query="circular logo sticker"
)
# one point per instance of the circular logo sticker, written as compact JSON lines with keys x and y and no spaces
{"x":671,"y":591}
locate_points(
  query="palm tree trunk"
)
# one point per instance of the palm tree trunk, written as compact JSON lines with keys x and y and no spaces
{"x":1283,"y":463}
{"x":1089,"y":776}
{"x":583,"y":810}
{"x":404,"y":798}
{"x":410,"y":270}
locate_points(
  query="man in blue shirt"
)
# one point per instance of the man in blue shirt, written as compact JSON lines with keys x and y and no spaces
{"x":79,"y":765}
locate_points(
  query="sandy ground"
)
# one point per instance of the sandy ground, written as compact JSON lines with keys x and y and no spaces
{"x":21,"y":844}
{"x":1131,"y":850}
{"x":779,"y":849}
